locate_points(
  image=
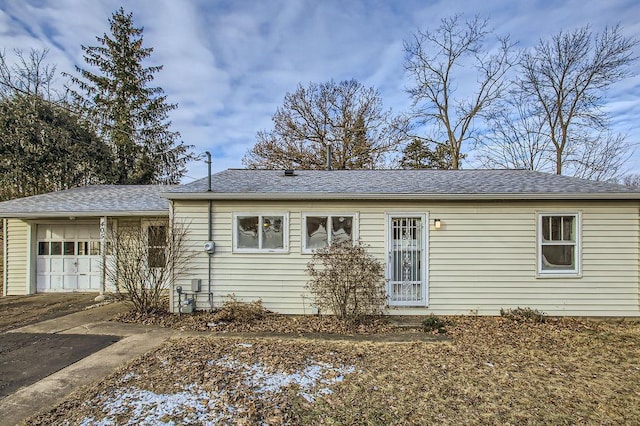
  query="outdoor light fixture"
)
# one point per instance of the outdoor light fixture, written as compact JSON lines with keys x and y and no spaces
{"x":436,"y":223}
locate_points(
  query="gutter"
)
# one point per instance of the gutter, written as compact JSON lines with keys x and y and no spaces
{"x":67,"y":215}
{"x":395,"y":196}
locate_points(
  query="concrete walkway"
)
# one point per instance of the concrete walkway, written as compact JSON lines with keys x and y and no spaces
{"x":46,"y":393}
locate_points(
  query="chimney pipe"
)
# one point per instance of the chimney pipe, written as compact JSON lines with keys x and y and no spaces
{"x":328,"y":157}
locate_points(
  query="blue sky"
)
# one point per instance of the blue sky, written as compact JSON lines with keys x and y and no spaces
{"x":228,"y":64}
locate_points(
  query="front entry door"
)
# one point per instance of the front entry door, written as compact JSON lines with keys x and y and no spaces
{"x":407,"y":265}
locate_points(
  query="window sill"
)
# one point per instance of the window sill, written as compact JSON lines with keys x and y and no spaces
{"x":558,"y":275}
{"x":259,"y":251}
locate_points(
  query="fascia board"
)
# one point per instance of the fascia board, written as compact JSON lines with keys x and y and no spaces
{"x":63,"y":215}
{"x":381,"y":196}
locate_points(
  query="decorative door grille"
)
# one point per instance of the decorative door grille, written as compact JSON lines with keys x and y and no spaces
{"x":406,"y":253}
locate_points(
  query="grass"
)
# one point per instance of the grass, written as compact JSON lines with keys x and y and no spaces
{"x":491,"y":371}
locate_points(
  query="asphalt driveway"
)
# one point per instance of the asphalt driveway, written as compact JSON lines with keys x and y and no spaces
{"x":26,"y":358}
{"x":42,"y":362}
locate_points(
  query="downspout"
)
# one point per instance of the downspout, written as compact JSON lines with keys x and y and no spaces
{"x":103,"y":256}
{"x":209,"y":230}
{"x":5,"y":257}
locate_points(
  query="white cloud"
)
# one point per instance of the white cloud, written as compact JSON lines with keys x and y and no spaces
{"x":229,"y":64}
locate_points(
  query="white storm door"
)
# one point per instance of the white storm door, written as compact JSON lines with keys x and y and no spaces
{"x":407,"y":259}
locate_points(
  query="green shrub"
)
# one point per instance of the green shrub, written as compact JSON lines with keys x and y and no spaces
{"x":432,"y":323}
{"x":524,"y":314}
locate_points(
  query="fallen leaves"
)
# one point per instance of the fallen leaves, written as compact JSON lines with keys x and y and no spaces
{"x":493,"y":371}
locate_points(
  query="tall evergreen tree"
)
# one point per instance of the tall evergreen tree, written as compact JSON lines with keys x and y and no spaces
{"x":419,"y":155}
{"x":132,"y":116}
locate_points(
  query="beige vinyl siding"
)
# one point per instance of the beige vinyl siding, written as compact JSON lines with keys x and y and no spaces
{"x":481,"y":260}
{"x":17,"y":257}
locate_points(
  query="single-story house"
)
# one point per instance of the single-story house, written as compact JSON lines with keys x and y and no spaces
{"x":452,"y":241}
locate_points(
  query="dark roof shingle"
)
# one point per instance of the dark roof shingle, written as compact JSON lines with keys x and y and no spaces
{"x":424,"y":183}
{"x":94,"y":200}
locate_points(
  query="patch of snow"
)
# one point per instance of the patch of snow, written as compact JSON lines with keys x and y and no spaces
{"x":129,"y":376}
{"x":143,"y":407}
{"x":193,"y":405}
{"x":261,"y":380}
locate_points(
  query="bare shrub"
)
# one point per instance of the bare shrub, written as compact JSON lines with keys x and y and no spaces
{"x":234,"y":310}
{"x":347,"y":280}
{"x":524,"y":314}
{"x":143,"y":262}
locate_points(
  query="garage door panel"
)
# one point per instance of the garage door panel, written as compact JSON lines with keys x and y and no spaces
{"x":70,"y":282}
{"x":65,"y":260}
{"x":41,"y":233}
{"x":70,"y":265}
{"x":43,"y":283}
{"x":56,"y":233}
{"x":56,"y":265}
{"x":55,"y":282}
{"x":42,"y":265}
{"x":83,"y":265}
{"x":70,"y":232}
{"x":95,"y":265}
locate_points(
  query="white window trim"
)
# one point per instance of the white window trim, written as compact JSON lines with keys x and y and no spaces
{"x":303,"y":227}
{"x":555,"y":273}
{"x":285,"y":236}
{"x":146,"y":224}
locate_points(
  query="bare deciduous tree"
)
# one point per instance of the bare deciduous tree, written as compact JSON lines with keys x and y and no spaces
{"x":564,"y":79}
{"x":435,"y":59}
{"x":30,"y":75}
{"x":516,"y":137}
{"x":632,"y":179}
{"x":346,"y":116}
{"x":144,"y":261}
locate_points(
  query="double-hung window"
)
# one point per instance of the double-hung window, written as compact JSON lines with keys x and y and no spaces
{"x":559,"y":243}
{"x":260,"y":232}
{"x":321,"y":230}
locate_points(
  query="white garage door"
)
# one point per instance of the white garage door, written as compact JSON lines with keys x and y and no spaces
{"x":68,"y":258}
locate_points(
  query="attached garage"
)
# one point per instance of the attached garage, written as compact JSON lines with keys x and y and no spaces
{"x":68,"y":258}
{"x":55,"y":242}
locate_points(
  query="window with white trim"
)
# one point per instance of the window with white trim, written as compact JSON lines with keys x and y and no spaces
{"x":320,"y":230}
{"x":260,"y":232}
{"x":157,"y":245}
{"x":558,"y":243}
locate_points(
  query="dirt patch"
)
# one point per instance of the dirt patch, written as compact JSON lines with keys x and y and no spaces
{"x":26,"y":358}
{"x":18,"y":311}
{"x":492,"y":371}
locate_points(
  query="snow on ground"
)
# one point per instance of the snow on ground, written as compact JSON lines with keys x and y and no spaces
{"x":132,"y":405}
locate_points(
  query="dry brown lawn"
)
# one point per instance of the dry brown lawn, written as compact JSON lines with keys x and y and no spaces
{"x":489,"y":371}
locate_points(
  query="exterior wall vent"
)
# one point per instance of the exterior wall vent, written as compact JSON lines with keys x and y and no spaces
{"x":289,"y":173}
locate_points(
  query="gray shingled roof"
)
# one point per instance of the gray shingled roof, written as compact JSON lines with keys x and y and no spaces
{"x":98,"y":200}
{"x":423,"y":184}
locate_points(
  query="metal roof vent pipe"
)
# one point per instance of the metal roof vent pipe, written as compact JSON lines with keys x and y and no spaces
{"x":328,"y":157}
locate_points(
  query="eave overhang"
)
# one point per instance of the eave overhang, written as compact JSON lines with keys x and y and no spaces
{"x":293,"y":196}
